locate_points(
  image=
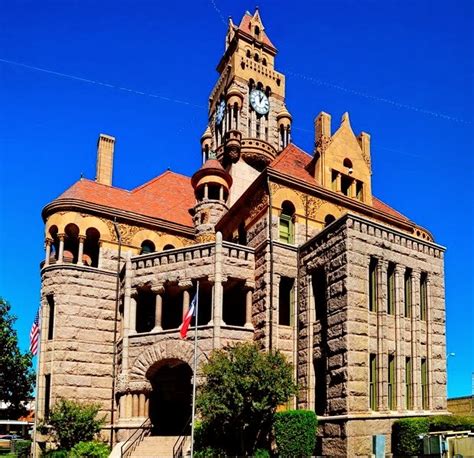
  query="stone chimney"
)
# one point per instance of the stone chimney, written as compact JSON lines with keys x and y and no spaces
{"x":322,"y":127}
{"x":105,"y":159}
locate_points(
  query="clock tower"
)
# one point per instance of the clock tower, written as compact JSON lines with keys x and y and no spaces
{"x":248,"y":121}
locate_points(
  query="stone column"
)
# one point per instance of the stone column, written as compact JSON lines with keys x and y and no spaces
{"x":221,"y":193}
{"x":399,"y":334}
{"x":429,"y":343}
{"x":126,"y":311}
{"x":141,"y":405}
{"x":135,"y":405}
{"x":338,"y":182}
{"x":185,"y":302}
{"x":133,"y":316}
{"x":128,"y":405}
{"x":311,"y":377}
{"x":158,"y":309}
{"x":48,"y":251}
{"x":218,"y":290}
{"x":61,"y":248}
{"x":415,"y":340}
{"x":382,"y":356}
{"x":248,"y":307}
{"x":81,"y":250}
{"x":99,"y":261}
{"x":206,"y":191}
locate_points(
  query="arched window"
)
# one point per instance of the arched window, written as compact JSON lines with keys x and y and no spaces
{"x":286,"y":222}
{"x":168,"y":247}
{"x":348,"y":165}
{"x":248,"y":53}
{"x":264,"y":62}
{"x":71,"y":243}
{"x":256,"y":58}
{"x":53,"y":232}
{"x":91,"y":248}
{"x":147,"y":247}
{"x":329,"y":219}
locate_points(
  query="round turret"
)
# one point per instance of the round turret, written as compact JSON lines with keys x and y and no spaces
{"x":206,"y":143}
{"x":211,"y":185}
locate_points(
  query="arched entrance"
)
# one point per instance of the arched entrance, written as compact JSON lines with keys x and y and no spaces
{"x":171,"y":398}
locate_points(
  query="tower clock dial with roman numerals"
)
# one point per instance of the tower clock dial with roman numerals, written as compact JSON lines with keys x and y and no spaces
{"x":259,"y":101}
{"x":220,"y":111}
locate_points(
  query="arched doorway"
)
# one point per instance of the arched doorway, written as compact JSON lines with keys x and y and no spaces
{"x":171,"y":398}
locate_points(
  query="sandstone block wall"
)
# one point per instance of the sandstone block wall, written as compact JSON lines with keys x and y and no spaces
{"x":79,"y":356}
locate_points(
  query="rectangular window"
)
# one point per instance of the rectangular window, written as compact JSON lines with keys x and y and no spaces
{"x":423,"y":296}
{"x":334,"y":180}
{"x":346,"y":185}
{"x":359,"y":190}
{"x":47,"y":394}
{"x":424,"y":384}
{"x":285,"y":301}
{"x":391,"y":383}
{"x":319,"y":292}
{"x":257,"y":132}
{"x":408,"y":293}
{"x":408,"y":384}
{"x":50,"y":299}
{"x":373,"y":285}
{"x":266,"y":134}
{"x":373,"y":382}
{"x":391,"y":289}
{"x":286,"y":229}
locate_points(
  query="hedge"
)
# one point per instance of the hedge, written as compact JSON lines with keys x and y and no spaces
{"x":295,"y":432}
{"x":90,"y":449}
{"x":451,"y":423}
{"x":406,"y":432}
{"x":406,"y":435}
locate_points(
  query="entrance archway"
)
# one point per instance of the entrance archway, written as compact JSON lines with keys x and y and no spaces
{"x":171,"y":397}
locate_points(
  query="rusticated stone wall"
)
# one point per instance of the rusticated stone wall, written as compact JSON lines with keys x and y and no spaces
{"x":348,"y":333}
{"x":78,"y":358}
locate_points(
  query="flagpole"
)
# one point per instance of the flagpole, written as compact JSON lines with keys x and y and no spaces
{"x":35,"y":453}
{"x":194,"y":370}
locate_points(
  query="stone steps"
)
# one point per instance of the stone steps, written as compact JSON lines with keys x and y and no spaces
{"x":155,"y":447}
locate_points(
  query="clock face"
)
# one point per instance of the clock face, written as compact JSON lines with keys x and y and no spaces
{"x":220,"y":110}
{"x":259,"y":101}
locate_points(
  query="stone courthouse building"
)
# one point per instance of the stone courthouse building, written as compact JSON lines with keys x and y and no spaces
{"x":291,"y":249}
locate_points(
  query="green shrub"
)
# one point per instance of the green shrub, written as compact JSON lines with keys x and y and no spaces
{"x":406,"y":436}
{"x":451,"y":423}
{"x":73,"y":422}
{"x":91,"y":449}
{"x":22,"y":448}
{"x":261,"y":453}
{"x":55,"y":454}
{"x":295,"y":432}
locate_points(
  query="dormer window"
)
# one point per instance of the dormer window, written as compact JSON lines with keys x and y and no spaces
{"x":257,"y":31}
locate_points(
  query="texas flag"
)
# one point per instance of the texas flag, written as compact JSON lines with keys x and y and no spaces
{"x":183,"y":329}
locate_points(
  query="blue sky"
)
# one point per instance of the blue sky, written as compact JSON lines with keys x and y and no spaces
{"x":403,"y":69}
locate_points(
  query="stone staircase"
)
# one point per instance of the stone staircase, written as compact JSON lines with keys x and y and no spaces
{"x":157,"y":447}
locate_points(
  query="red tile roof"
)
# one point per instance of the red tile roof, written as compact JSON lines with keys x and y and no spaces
{"x":294,"y":161}
{"x":168,"y":196}
{"x":245,"y":27}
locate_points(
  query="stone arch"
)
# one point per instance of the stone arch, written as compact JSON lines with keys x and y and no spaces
{"x":83,"y":222}
{"x":175,"y":349}
{"x":168,"y":239}
{"x":288,"y":194}
{"x":145,"y":234}
{"x":328,"y":209}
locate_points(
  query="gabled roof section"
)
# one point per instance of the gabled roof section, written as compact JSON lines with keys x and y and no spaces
{"x":169,"y":196}
{"x":295,"y":162}
{"x":246,"y":26}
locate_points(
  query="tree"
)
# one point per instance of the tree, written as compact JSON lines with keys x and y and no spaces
{"x":242,"y":389}
{"x":16,"y":374}
{"x":73,"y":422}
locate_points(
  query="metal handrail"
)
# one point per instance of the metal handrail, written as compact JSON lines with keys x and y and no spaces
{"x":130,"y":444}
{"x":179,"y":444}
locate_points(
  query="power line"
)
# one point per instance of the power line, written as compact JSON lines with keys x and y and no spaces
{"x":378,"y":99}
{"x":219,"y":12}
{"x":100,"y":83}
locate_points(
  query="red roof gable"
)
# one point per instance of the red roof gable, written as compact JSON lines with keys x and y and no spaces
{"x":245,"y":27}
{"x":168,"y":196}
{"x":294,"y":161}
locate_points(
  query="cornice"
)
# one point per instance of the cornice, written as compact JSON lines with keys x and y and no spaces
{"x":121,"y":215}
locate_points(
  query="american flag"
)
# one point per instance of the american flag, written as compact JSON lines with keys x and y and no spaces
{"x":34,"y":335}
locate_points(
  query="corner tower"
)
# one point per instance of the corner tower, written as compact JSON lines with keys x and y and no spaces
{"x":248,"y":119}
